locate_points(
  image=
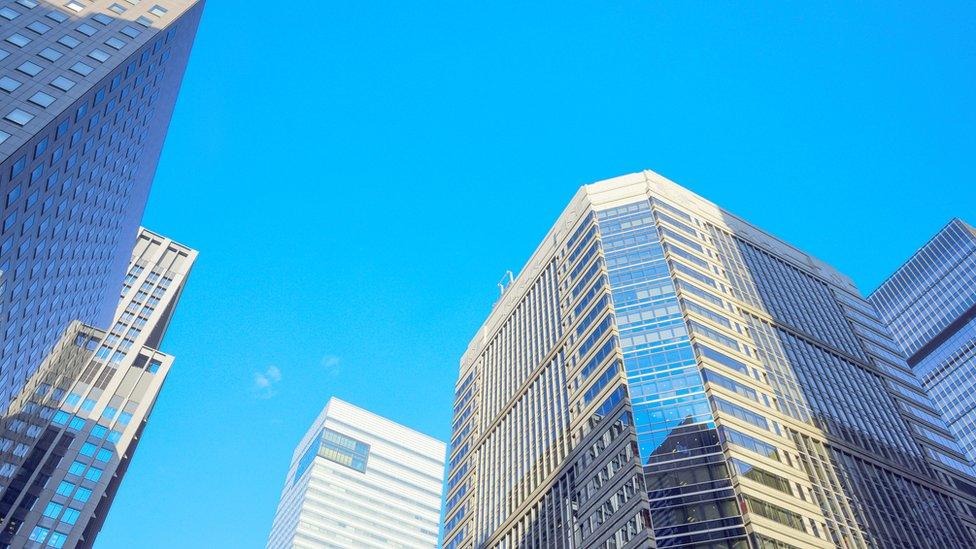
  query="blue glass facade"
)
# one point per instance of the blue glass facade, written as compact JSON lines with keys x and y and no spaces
{"x":929,"y":304}
{"x":675,"y":428}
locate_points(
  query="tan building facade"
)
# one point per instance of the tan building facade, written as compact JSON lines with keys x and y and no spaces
{"x":67,"y":439}
{"x":663,"y":373}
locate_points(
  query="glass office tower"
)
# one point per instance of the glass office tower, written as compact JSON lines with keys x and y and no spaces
{"x":929,"y":304}
{"x":662,"y":373}
{"x":86,"y":93}
{"x":358,"y":480}
{"x":68,"y":438}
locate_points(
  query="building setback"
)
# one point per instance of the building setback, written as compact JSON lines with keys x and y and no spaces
{"x":68,"y":438}
{"x":663,"y":373}
{"x":929,"y":304}
{"x":86,"y":93}
{"x":358,"y":480}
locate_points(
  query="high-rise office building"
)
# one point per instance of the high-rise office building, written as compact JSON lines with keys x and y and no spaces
{"x":358,"y":480}
{"x":929,"y":304}
{"x":662,"y":373}
{"x":67,"y":439}
{"x":86,"y":93}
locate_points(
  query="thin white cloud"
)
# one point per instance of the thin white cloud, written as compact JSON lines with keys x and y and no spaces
{"x":332,"y":363}
{"x":265,"y":382}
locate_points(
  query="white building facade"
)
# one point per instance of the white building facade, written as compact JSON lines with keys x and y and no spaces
{"x":360,"y":480}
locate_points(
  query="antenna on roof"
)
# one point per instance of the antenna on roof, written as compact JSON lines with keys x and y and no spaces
{"x":505,"y":282}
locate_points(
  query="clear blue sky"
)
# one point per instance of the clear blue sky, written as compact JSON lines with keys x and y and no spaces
{"x":358,"y":175}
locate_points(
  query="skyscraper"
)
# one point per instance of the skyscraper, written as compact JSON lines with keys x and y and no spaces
{"x":662,"y":373}
{"x":68,"y":438}
{"x":929,"y":304}
{"x":86,"y":93}
{"x":358,"y":480}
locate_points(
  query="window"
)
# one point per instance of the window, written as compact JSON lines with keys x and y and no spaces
{"x":109,"y":412}
{"x":50,"y":54}
{"x":41,"y":99}
{"x":70,"y":515}
{"x":61,"y":417}
{"x":87,"y":449}
{"x":29,"y":4}
{"x":62,"y":83}
{"x":65,"y":488}
{"x":75,"y":6}
{"x":86,"y":29}
{"x":76,"y":423}
{"x":125,"y":418}
{"x":18,"y":40}
{"x":53,"y":510}
{"x":38,"y":27}
{"x":38,"y":534}
{"x":81,"y":68}
{"x":102,"y":18}
{"x":29,"y":68}
{"x":76,"y":468}
{"x":99,"y":55}
{"x":8,"y":84}
{"x":130,"y":31}
{"x":19,"y":117}
{"x":114,"y":42}
{"x":9,"y":14}
{"x":69,"y":41}
{"x":104,"y":455}
{"x":57,"y":540}
{"x":99,"y":431}
{"x":57,"y":16}
{"x":93,"y":474}
{"x":158,"y":10}
{"x":117,"y":8}
{"x":83,"y":494}
{"x":144,"y":21}
{"x":4,"y":136}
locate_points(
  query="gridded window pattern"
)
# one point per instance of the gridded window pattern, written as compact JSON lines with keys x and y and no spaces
{"x":791,"y":296}
{"x":947,"y":373}
{"x":344,"y":450}
{"x":72,"y":194}
{"x":932,"y":289}
{"x":667,"y":392}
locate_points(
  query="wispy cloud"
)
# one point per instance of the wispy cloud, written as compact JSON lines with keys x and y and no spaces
{"x":332,"y":365}
{"x":265,"y":382}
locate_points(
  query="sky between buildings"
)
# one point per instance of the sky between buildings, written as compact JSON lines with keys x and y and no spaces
{"x":358,"y":175}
